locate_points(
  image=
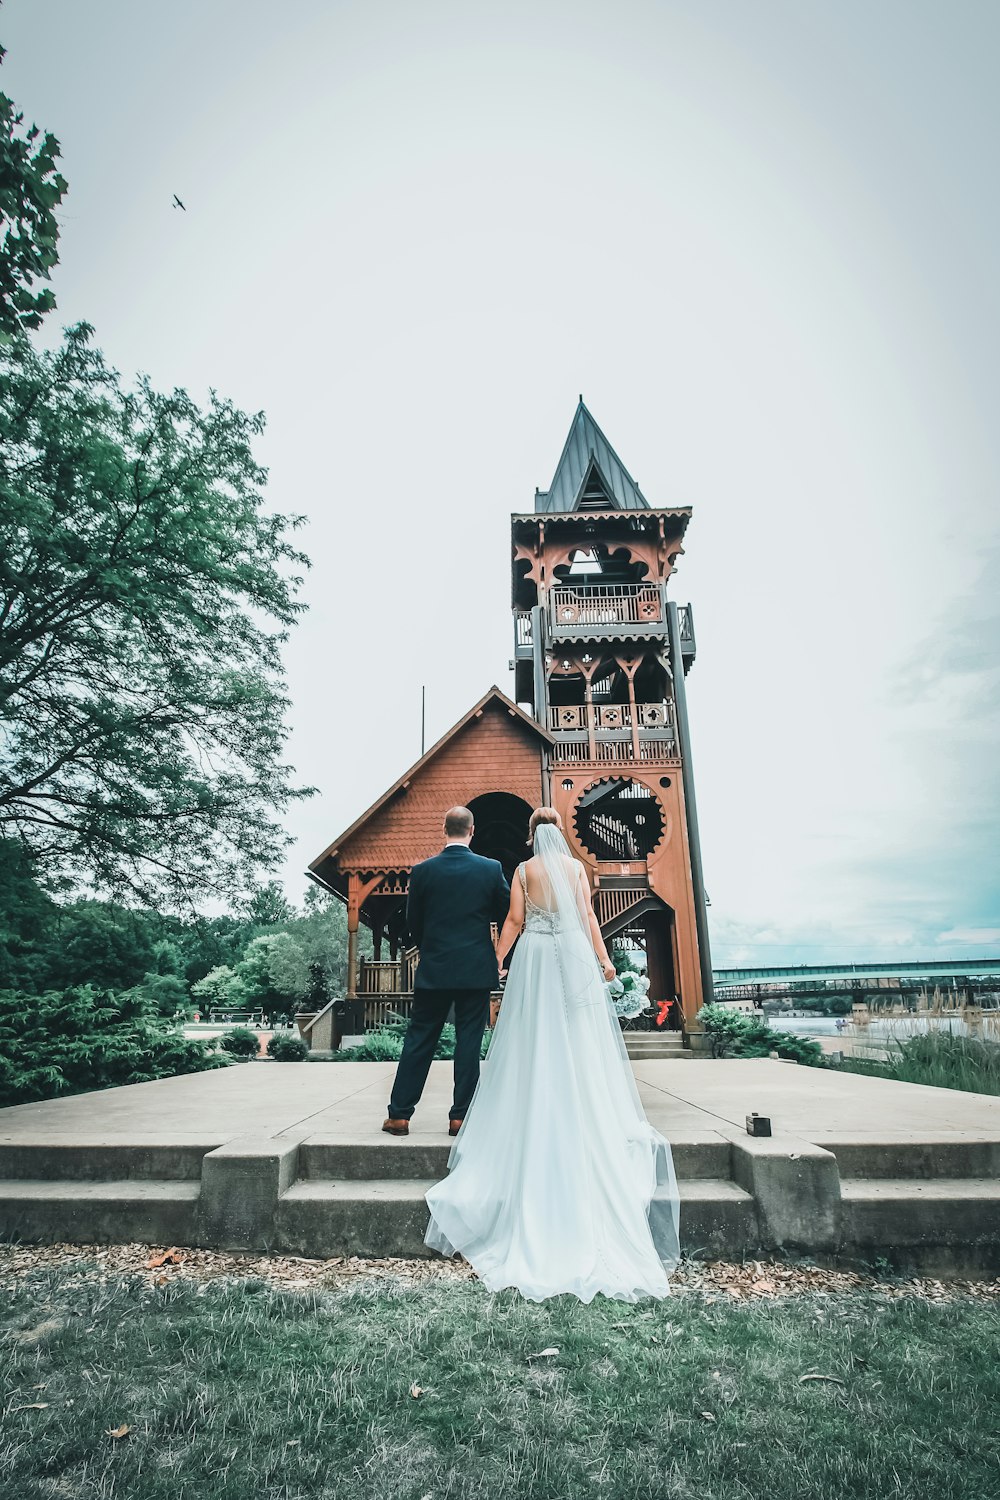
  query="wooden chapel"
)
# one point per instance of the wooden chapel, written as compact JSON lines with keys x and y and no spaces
{"x":596,"y":726}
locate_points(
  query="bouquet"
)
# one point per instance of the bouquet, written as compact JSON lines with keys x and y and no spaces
{"x":628,"y":994}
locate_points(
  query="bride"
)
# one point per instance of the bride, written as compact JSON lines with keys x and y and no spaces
{"x":556,"y":1181}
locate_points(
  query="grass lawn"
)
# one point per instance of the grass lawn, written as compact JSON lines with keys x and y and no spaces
{"x":437,"y":1390}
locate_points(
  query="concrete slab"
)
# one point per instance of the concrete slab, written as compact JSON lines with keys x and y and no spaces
{"x":290,"y":1155}
{"x":346,"y":1102}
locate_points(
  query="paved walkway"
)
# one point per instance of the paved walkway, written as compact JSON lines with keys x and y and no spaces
{"x":346,"y":1102}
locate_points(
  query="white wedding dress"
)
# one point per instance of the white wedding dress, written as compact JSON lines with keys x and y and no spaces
{"x":556,"y":1181}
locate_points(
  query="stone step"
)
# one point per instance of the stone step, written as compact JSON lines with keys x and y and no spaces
{"x":661,"y":1054}
{"x":642,"y":1041}
{"x":99,"y":1213}
{"x":953,"y":1155}
{"x":938,"y":1226}
{"x":102,"y":1162}
{"x":409,"y":1158}
{"x":389,"y":1217}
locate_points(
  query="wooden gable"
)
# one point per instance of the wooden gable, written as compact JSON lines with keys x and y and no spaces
{"x":493,"y":748}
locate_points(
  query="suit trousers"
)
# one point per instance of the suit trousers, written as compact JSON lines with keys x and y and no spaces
{"x":429,"y":1013}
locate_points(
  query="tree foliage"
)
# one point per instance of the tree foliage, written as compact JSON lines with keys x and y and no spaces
{"x":31,"y":188}
{"x":144,"y":597}
{"x":82,"y":1039}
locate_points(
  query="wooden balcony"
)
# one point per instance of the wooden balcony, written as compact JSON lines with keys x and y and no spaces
{"x":610,"y":732}
{"x":606,"y":609}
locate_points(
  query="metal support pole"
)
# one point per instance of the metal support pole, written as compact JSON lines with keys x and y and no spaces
{"x":538,"y":663}
{"x":687,"y":778}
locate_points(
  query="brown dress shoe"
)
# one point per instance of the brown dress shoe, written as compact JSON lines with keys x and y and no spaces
{"x":397,"y":1127}
{"x":454,"y":1126}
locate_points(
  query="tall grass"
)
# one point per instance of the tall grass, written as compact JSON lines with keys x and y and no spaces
{"x":937,"y":1058}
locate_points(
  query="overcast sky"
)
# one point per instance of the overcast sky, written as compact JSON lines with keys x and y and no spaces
{"x":759,"y":236}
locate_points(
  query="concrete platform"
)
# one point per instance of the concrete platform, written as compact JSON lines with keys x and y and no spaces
{"x":291,"y":1157}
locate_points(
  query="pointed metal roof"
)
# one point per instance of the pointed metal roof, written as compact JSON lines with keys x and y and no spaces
{"x":589,"y":465}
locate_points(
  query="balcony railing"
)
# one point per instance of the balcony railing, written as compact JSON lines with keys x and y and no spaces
{"x":523,"y":635}
{"x":394,"y":977}
{"x":607,"y":717}
{"x":605,"y":732}
{"x":604,"y":608}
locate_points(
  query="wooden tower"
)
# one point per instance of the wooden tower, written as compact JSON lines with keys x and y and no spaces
{"x":600,"y":657}
{"x":599,"y":729}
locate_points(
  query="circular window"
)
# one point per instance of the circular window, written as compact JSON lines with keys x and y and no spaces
{"x":618,"y":819}
{"x":567,"y":785}
{"x":664,"y":780}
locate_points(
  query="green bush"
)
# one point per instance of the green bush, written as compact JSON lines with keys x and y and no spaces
{"x":285,"y":1046}
{"x":240,"y":1041}
{"x":735,"y":1034}
{"x":80,"y":1039}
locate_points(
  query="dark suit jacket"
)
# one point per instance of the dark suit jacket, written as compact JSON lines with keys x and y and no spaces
{"x":453,"y":899}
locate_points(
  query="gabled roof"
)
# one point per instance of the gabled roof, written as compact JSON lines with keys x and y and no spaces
{"x":588,"y":466}
{"x":494,"y":696}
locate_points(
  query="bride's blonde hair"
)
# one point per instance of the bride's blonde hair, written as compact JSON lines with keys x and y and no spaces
{"x":543,"y":815}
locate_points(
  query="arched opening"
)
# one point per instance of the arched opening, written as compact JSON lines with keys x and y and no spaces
{"x":501,"y":829}
{"x":596,"y":562}
{"x":619,"y":819}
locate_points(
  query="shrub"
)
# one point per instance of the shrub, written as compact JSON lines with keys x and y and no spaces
{"x":240,"y":1041}
{"x":80,"y":1039}
{"x":735,"y":1034}
{"x":285,"y":1047}
{"x":386,"y":1044}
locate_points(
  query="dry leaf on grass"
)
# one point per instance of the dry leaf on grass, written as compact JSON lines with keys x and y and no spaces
{"x":164,"y":1258}
{"x":32,"y":1406}
{"x":544,"y":1354}
{"x":416,"y":1390}
{"x":709,"y":1416}
{"x":835,"y":1378}
{"x":117,"y":1432}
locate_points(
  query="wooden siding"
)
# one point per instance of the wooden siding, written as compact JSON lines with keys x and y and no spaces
{"x":492,"y":753}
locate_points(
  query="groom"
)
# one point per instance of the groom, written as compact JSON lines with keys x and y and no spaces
{"x":453,"y":899}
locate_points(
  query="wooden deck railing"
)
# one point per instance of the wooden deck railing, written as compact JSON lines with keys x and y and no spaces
{"x":600,"y":606}
{"x":392,"y":977}
{"x":608,"y":717}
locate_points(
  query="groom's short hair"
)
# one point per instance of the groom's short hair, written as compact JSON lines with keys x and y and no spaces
{"x":458,"y":821}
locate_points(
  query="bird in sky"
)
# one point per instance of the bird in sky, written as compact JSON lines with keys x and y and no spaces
{"x":178,"y":204}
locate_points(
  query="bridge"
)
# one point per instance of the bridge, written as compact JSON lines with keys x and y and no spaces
{"x":966,"y":978}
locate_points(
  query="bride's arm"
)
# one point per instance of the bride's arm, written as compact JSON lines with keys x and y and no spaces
{"x":591,"y":922}
{"x":512,"y":925}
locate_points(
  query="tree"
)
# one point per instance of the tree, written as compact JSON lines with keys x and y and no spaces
{"x":275,"y":974}
{"x":269,"y":906}
{"x":144,"y":598}
{"x":221,"y":989}
{"x":30,"y":189}
{"x":95,"y":943}
{"x":322,"y":936}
